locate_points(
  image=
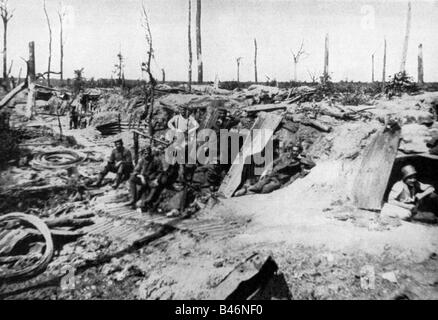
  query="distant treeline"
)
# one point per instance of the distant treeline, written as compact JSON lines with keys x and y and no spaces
{"x":341,"y":86}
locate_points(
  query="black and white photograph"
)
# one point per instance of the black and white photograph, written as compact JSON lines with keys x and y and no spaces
{"x":226,"y":150}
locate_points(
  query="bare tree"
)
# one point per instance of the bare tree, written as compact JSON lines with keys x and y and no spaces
{"x":149,"y":43}
{"x":61,"y":16}
{"x":119,"y":68}
{"x":189,"y":39}
{"x":296,"y":58}
{"x":50,"y":43}
{"x":313,"y":75}
{"x":238,"y":67}
{"x":146,"y":66}
{"x":6,"y":15}
{"x":198,"y":41}
{"x":406,"y":41}
{"x":384,"y":66}
{"x":255,"y":60}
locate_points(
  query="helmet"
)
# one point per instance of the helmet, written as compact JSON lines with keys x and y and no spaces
{"x":408,"y":171}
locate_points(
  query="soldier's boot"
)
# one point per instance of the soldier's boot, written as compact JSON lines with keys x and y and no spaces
{"x":117,"y":181}
{"x":99,"y":180}
{"x":133,"y":192}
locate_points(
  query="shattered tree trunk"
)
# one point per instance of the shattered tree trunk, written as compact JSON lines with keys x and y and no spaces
{"x":31,"y":78}
{"x":373,"y":176}
{"x":5,"y":50}
{"x":295,"y":71}
{"x":255,"y":60}
{"x":420,"y":64}
{"x":326,"y":57}
{"x":406,"y":41}
{"x":163,"y":73}
{"x":50,"y":45}
{"x":189,"y":40}
{"x":372,"y":68}
{"x":238,"y":67}
{"x":61,"y":43}
{"x":11,"y":94}
{"x":198,"y":41}
{"x":254,"y":143}
{"x":384,"y":66}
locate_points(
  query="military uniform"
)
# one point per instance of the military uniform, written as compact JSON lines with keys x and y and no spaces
{"x":286,"y":169}
{"x":151,"y":170}
{"x":120,"y":162}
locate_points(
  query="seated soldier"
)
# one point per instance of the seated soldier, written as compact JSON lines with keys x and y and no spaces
{"x":409,"y":198}
{"x":286,"y":169}
{"x":120,"y":162}
{"x":146,"y":178}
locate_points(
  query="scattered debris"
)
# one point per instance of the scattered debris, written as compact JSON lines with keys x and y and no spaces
{"x":390,"y":276}
{"x":367,"y":278}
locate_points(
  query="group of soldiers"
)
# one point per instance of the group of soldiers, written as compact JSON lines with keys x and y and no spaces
{"x":149,"y":176}
{"x":146,"y":178}
{"x":82,"y":113}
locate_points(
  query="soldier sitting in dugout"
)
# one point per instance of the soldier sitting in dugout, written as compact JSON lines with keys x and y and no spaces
{"x":120,"y":162}
{"x":411,"y":199}
{"x":289,"y":167}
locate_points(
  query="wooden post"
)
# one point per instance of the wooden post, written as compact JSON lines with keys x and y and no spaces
{"x":384,"y":66}
{"x":420,"y":64}
{"x":59,"y":124}
{"x":406,"y":41}
{"x":135,"y":147}
{"x":326,"y":57}
{"x":372,"y":68}
{"x":30,"y":105}
{"x":255,"y":60}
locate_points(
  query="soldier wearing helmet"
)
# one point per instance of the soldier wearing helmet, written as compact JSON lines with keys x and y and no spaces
{"x":409,"y":198}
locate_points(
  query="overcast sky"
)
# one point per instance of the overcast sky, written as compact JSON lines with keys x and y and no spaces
{"x":97,"y":29}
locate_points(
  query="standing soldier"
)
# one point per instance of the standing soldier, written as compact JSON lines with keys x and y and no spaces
{"x":74,"y":117}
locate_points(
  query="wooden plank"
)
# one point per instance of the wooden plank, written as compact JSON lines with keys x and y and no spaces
{"x":373,"y":176}
{"x":253,"y":144}
{"x":265,"y":107}
{"x":6,"y":99}
{"x":210,"y":118}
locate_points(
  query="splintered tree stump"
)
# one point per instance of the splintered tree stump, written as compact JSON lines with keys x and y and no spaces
{"x":252,"y":145}
{"x":373,"y":176}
